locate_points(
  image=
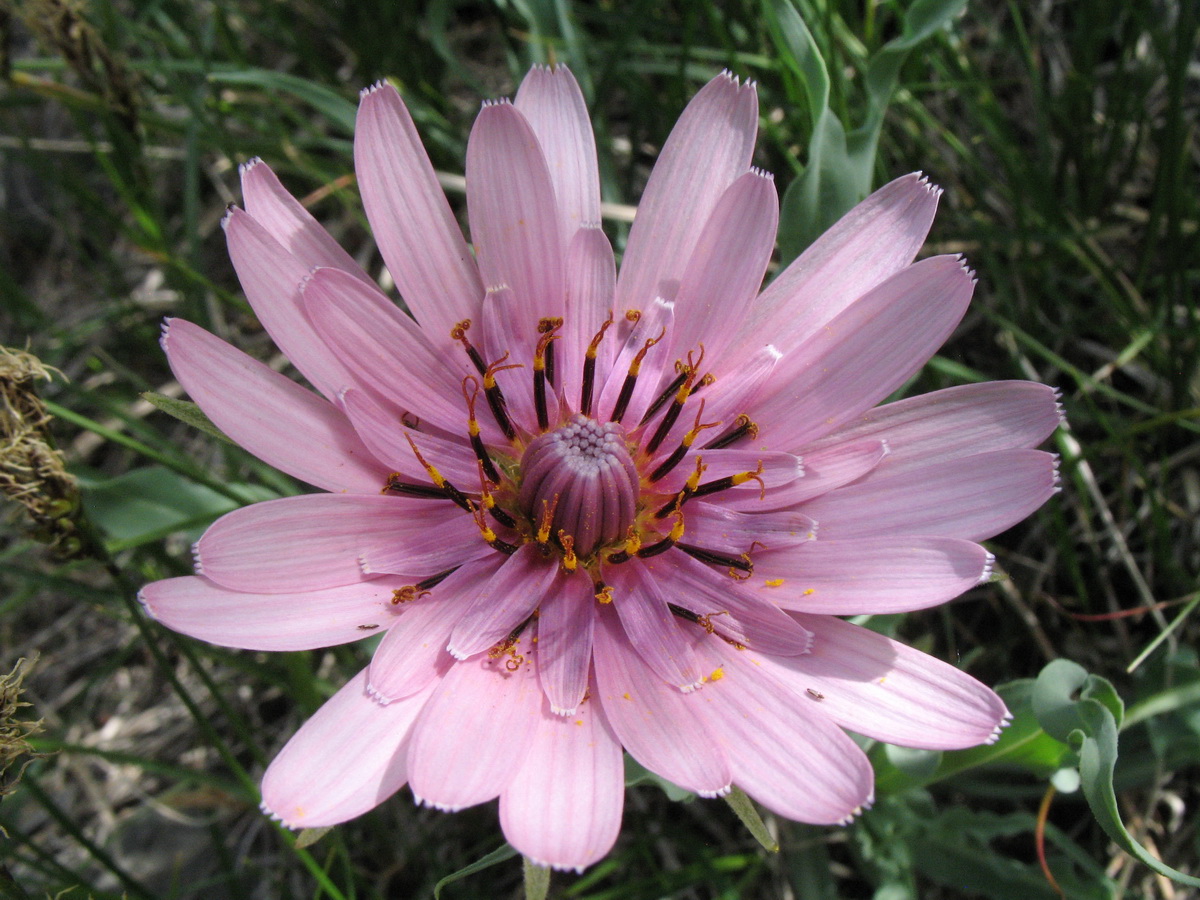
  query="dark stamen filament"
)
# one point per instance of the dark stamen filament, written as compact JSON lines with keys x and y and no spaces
{"x":408,"y":488}
{"x":666,"y":543}
{"x":434,"y":580}
{"x":741,"y":563}
{"x":685,"y":389}
{"x":542,"y":361}
{"x":662,"y":398}
{"x":743,"y":427}
{"x":495,"y":397}
{"x":723,"y":484}
{"x":631,"y":377}
{"x":481,"y":453}
{"x":459,"y":333}
{"x":589,"y":368}
{"x":688,"y":489}
{"x":684,"y":445}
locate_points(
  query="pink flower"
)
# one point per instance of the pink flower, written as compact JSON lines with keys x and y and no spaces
{"x":589,"y":512}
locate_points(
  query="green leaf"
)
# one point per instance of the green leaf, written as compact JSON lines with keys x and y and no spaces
{"x":329,"y":103}
{"x":185,"y":411}
{"x":497,"y":856}
{"x":741,"y":804}
{"x":1097,"y":745}
{"x":148,"y":504}
{"x":636,"y":773}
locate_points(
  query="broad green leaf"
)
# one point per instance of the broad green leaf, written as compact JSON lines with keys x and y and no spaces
{"x":148,"y":504}
{"x":1097,"y":745}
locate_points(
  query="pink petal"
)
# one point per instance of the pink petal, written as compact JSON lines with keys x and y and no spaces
{"x":865,"y":353}
{"x":417,"y":233}
{"x":413,"y":652}
{"x":877,"y":575}
{"x":785,"y":752}
{"x":656,"y":723}
{"x":824,"y":470}
{"x":470,"y":740}
{"x":293,"y":620}
{"x":552,"y":103}
{"x":974,"y":497}
{"x":735,"y":614}
{"x":387,"y":438}
{"x":263,"y":411}
{"x":271,"y":277}
{"x":385,"y":349}
{"x":507,"y":329}
{"x":347,"y":759}
{"x":727,"y":266}
{"x":316,"y":541}
{"x":651,"y":628}
{"x":511,"y":207}
{"x":504,"y":602}
{"x":955,"y":422}
{"x":708,"y":149}
{"x":590,"y":276}
{"x":283,"y":216}
{"x":882,"y":689}
{"x":565,"y":643}
{"x":716,"y":527}
{"x":867,"y":246}
{"x":563,"y":807}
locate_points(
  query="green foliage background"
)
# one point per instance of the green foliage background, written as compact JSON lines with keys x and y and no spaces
{"x":1064,"y":136}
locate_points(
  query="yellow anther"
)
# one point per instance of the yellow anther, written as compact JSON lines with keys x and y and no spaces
{"x":547,"y":328}
{"x":459,"y":331}
{"x":604,"y":593}
{"x":636,"y":365}
{"x":677,"y":528}
{"x":594,"y":346}
{"x":434,"y":475}
{"x":633,"y":540}
{"x":407,"y":594}
{"x":633,"y":315}
{"x":756,"y":475}
{"x":489,"y":376}
{"x":548,"y":507}
{"x":470,"y":394}
{"x":569,"y":560}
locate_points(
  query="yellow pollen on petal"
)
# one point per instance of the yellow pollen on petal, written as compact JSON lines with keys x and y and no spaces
{"x":773,"y":582}
{"x":626,"y":696}
{"x":808,"y":591}
{"x":717,"y":674}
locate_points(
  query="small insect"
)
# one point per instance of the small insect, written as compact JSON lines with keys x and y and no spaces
{"x":367,"y":627}
{"x":816,"y":695}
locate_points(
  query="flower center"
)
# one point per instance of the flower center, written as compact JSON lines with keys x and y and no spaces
{"x":581,"y":481}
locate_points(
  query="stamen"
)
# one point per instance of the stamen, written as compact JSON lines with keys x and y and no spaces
{"x":543,"y":360}
{"x":684,"y":445}
{"x":631,"y":377}
{"x":548,"y":508}
{"x":742,"y":427}
{"x":488,"y":500}
{"x":688,"y":489}
{"x":490,"y":537}
{"x":459,"y":333}
{"x":723,"y":484}
{"x":589,"y":368}
{"x":434,"y":580}
{"x":743,"y":564}
{"x":603,"y":592}
{"x":685,"y":389}
{"x":662,"y":398}
{"x":569,"y":560}
{"x":473,"y":429}
{"x":437,"y":478}
{"x":425,"y":491}
{"x":425,"y":586}
{"x":495,"y":397}
{"x":666,"y":543}
{"x":545,"y":325}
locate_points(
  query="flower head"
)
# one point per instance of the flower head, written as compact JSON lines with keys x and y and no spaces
{"x":595,"y":512}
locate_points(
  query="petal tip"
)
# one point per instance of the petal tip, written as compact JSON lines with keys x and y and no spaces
{"x":989,"y":566}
